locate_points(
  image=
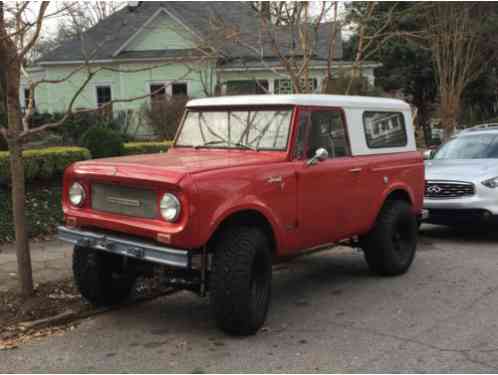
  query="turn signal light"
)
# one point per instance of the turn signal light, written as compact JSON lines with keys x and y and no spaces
{"x":71,"y":222}
{"x":164,"y":238}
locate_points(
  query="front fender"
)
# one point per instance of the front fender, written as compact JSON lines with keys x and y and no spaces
{"x":248,"y":203}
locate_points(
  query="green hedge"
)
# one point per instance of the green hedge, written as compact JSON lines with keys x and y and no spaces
{"x":43,"y":211}
{"x":137,"y":148}
{"x":44,"y":163}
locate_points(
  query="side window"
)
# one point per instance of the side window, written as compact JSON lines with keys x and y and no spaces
{"x":301,"y":135}
{"x":384,"y":129}
{"x":328,"y":131}
{"x":104,"y":95}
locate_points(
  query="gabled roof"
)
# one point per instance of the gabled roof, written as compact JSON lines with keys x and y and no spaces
{"x":107,"y":40}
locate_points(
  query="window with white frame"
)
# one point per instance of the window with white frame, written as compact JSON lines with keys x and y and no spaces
{"x":25,"y":94}
{"x":159,"y":90}
{"x":104,"y":94}
{"x":284,"y":86}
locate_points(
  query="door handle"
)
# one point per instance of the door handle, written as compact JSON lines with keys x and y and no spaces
{"x":356,"y":170}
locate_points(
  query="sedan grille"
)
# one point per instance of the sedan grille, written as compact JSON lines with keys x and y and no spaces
{"x":124,"y":200}
{"x":448,"y":189}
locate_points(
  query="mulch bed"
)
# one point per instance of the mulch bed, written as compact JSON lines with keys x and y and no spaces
{"x":55,"y":308}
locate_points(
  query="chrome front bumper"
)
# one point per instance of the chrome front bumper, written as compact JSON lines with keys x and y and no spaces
{"x":126,"y":246}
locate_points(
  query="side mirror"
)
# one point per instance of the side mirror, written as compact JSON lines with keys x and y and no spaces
{"x":321,"y":154}
{"x":428,"y":154}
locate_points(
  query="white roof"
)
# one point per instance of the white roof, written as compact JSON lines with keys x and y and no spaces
{"x":302,"y":99}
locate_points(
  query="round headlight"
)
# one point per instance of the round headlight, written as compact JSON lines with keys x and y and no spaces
{"x":170,"y":207}
{"x":76,"y":194}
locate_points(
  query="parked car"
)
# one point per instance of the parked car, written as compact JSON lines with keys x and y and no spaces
{"x":250,"y":180}
{"x":462,"y":178}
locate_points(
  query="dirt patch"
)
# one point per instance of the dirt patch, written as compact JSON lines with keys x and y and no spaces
{"x":54,"y":308}
{"x":49,"y":299}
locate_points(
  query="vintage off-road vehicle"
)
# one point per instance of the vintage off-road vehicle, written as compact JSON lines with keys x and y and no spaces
{"x":249,"y":181}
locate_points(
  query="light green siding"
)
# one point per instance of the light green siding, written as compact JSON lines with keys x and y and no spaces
{"x":161,"y":33}
{"x":124,"y":84}
{"x":129,"y":79}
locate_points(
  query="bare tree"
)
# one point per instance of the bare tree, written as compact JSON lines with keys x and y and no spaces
{"x":461,"y":37}
{"x":19,"y":33}
{"x":289,"y":32}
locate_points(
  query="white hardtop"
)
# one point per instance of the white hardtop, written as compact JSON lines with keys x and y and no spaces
{"x":343,"y":101}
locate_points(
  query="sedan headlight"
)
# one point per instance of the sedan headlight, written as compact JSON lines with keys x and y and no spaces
{"x":170,"y":207}
{"x":492,"y":183}
{"x":76,"y":194}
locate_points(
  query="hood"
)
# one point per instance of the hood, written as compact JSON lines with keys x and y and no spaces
{"x":172,"y":166}
{"x":461,"y":169}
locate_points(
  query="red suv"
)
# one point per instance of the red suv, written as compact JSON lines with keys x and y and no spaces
{"x":249,"y":180}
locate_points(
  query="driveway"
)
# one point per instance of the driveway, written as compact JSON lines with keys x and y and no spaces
{"x":328,"y":313}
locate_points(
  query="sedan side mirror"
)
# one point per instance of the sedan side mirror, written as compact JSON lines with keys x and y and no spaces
{"x":428,"y":154}
{"x":321,"y":154}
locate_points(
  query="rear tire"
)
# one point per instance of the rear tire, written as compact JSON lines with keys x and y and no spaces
{"x":100,"y":277}
{"x":241,"y":280}
{"x":391,"y":245}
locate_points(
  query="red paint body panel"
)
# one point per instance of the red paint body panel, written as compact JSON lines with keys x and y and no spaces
{"x":306,"y":205}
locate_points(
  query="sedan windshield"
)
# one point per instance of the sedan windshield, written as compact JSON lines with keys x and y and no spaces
{"x":477,"y":146}
{"x":243,"y":129}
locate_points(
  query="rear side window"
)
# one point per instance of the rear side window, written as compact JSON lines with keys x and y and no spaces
{"x":384,"y":129}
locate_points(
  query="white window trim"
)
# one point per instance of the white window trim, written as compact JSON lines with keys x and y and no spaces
{"x":22,"y":97}
{"x":102,"y":84}
{"x":168,"y":86}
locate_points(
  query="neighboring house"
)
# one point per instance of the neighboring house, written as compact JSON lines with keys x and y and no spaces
{"x":175,"y":48}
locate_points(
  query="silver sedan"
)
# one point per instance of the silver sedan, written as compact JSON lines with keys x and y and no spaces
{"x":462,"y":179}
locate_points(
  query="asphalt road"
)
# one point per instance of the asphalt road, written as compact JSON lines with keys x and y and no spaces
{"x":328,"y":313}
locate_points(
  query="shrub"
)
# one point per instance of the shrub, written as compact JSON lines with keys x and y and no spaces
{"x":137,"y":148}
{"x":43,"y":211}
{"x":45,"y":163}
{"x":76,"y":126}
{"x":165,"y":115}
{"x":103,"y":142}
{"x":3,"y":144}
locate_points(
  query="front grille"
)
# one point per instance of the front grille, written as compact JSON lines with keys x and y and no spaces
{"x":124,"y":200}
{"x":448,"y":189}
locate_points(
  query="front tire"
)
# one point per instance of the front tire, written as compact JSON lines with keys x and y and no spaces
{"x":391,"y":245}
{"x":241,"y":280}
{"x":100,"y":277}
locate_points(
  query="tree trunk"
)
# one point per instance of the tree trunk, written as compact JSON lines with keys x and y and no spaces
{"x":17,"y":176}
{"x":24,"y":269}
{"x":449,"y":115}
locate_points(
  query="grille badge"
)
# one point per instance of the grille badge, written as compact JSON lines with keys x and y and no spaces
{"x":435,"y":189}
{"x":124,"y":202}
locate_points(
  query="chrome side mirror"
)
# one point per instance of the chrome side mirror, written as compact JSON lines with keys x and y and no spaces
{"x":321,"y":154}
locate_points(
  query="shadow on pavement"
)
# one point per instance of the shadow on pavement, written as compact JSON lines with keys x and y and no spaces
{"x":295,"y":287}
{"x":470,"y":233}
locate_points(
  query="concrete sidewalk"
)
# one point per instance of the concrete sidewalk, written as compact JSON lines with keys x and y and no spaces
{"x":51,"y":262}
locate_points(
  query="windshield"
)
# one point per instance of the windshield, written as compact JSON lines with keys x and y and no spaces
{"x":478,"y":146}
{"x":251,"y":129}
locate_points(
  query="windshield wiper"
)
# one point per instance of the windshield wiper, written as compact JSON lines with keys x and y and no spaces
{"x":209,"y":143}
{"x":245,"y":146}
{"x":237,"y":144}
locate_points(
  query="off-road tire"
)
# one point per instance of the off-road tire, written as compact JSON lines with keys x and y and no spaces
{"x":390,"y":246}
{"x":100,"y":277}
{"x":240,"y":282}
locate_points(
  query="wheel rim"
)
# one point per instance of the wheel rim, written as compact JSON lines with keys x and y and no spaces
{"x":259,"y":285}
{"x":403,"y":238}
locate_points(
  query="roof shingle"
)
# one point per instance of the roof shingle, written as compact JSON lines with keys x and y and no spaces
{"x":102,"y":41}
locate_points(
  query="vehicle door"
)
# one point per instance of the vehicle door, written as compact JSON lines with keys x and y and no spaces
{"x":326,"y":188}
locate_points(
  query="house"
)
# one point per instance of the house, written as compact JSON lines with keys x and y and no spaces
{"x":149,"y":50}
